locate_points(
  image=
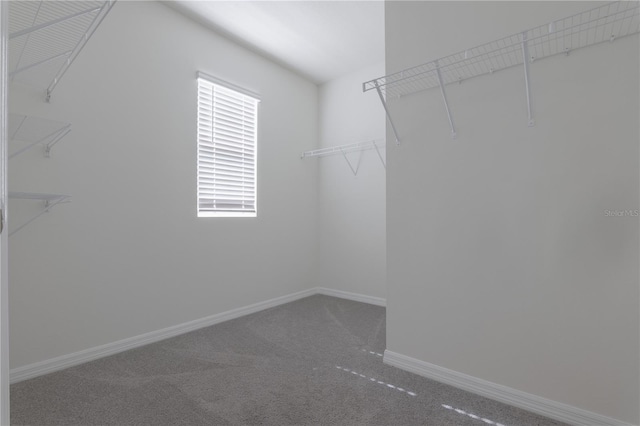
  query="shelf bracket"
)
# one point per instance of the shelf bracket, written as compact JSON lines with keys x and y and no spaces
{"x":48,"y":205}
{"x":525,"y":60}
{"x":55,"y":138}
{"x":353,"y":169}
{"x":386,"y":110}
{"x":346,"y":149}
{"x":454,"y":134}
{"x":375,"y":145}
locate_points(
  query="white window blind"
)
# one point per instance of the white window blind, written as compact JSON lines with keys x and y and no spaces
{"x":227,"y":150}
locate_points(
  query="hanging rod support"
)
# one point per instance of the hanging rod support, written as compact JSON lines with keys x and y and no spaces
{"x":375,"y":145}
{"x":525,"y":60}
{"x":62,"y":134}
{"x":49,"y":203}
{"x":454,"y":134}
{"x":354,"y":170}
{"x":386,"y":110}
{"x":57,"y":135}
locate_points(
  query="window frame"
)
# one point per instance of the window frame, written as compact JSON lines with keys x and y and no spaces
{"x":247,"y":97}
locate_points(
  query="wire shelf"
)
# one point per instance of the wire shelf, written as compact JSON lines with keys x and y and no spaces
{"x":38,"y":196}
{"x":32,"y":131}
{"x":50,"y":200}
{"x":342,"y":149}
{"x":46,"y":36}
{"x":346,"y":149}
{"x":598,"y":25}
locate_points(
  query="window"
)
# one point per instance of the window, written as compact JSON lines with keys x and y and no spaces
{"x":227,"y":149}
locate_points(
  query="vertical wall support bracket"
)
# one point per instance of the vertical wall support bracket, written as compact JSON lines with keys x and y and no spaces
{"x":54,"y":138}
{"x":386,"y":110}
{"x":454,"y":134}
{"x":525,"y":60}
{"x":50,"y":201}
{"x":62,"y":134}
{"x":375,"y":145}
{"x":353,"y":169}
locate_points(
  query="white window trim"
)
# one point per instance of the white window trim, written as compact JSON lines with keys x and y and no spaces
{"x":219,"y":82}
{"x":210,"y":143}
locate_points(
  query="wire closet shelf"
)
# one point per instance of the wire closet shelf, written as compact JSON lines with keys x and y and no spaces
{"x":45,"y":37}
{"x":32,"y":131}
{"x":343,"y":150}
{"x":601,"y":24}
{"x":50,"y":200}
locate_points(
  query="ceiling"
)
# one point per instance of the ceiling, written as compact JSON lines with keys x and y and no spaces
{"x":320,"y":40}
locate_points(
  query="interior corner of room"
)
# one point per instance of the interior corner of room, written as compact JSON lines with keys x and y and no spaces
{"x":471,"y":167}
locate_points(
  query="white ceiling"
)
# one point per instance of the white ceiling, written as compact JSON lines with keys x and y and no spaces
{"x":320,"y":40}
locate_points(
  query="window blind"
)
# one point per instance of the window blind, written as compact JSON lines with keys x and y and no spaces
{"x":227,"y":151}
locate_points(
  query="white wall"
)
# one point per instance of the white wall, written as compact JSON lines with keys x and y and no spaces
{"x":352,"y":207}
{"x":501,"y":261}
{"x":128,"y":255}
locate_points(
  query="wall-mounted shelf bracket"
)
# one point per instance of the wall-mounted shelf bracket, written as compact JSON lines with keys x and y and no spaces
{"x":527,"y":84}
{"x":55,"y":140}
{"x":454,"y":134}
{"x":35,"y":131}
{"x":49,"y":201}
{"x":346,"y":149}
{"x":386,"y":110}
{"x":384,"y":164}
{"x":351,"y":166}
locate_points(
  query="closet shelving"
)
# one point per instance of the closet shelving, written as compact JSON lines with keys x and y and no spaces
{"x":32,"y":131}
{"x":349,"y":148}
{"x":45,"y":37}
{"x":598,"y":25}
{"x":48,"y":201}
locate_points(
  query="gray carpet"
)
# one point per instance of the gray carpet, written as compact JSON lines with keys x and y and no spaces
{"x":316,"y":361}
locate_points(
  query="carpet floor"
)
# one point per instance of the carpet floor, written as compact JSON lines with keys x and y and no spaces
{"x":315,"y":361}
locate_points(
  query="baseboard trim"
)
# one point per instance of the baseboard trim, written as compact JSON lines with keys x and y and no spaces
{"x":546,"y":407}
{"x":356,"y":297}
{"x":65,"y":361}
{"x":59,"y":363}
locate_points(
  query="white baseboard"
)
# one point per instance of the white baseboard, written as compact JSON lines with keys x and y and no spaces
{"x":356,"y":297}
{"x":546,"y":407}
{"x":65,"y":361}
